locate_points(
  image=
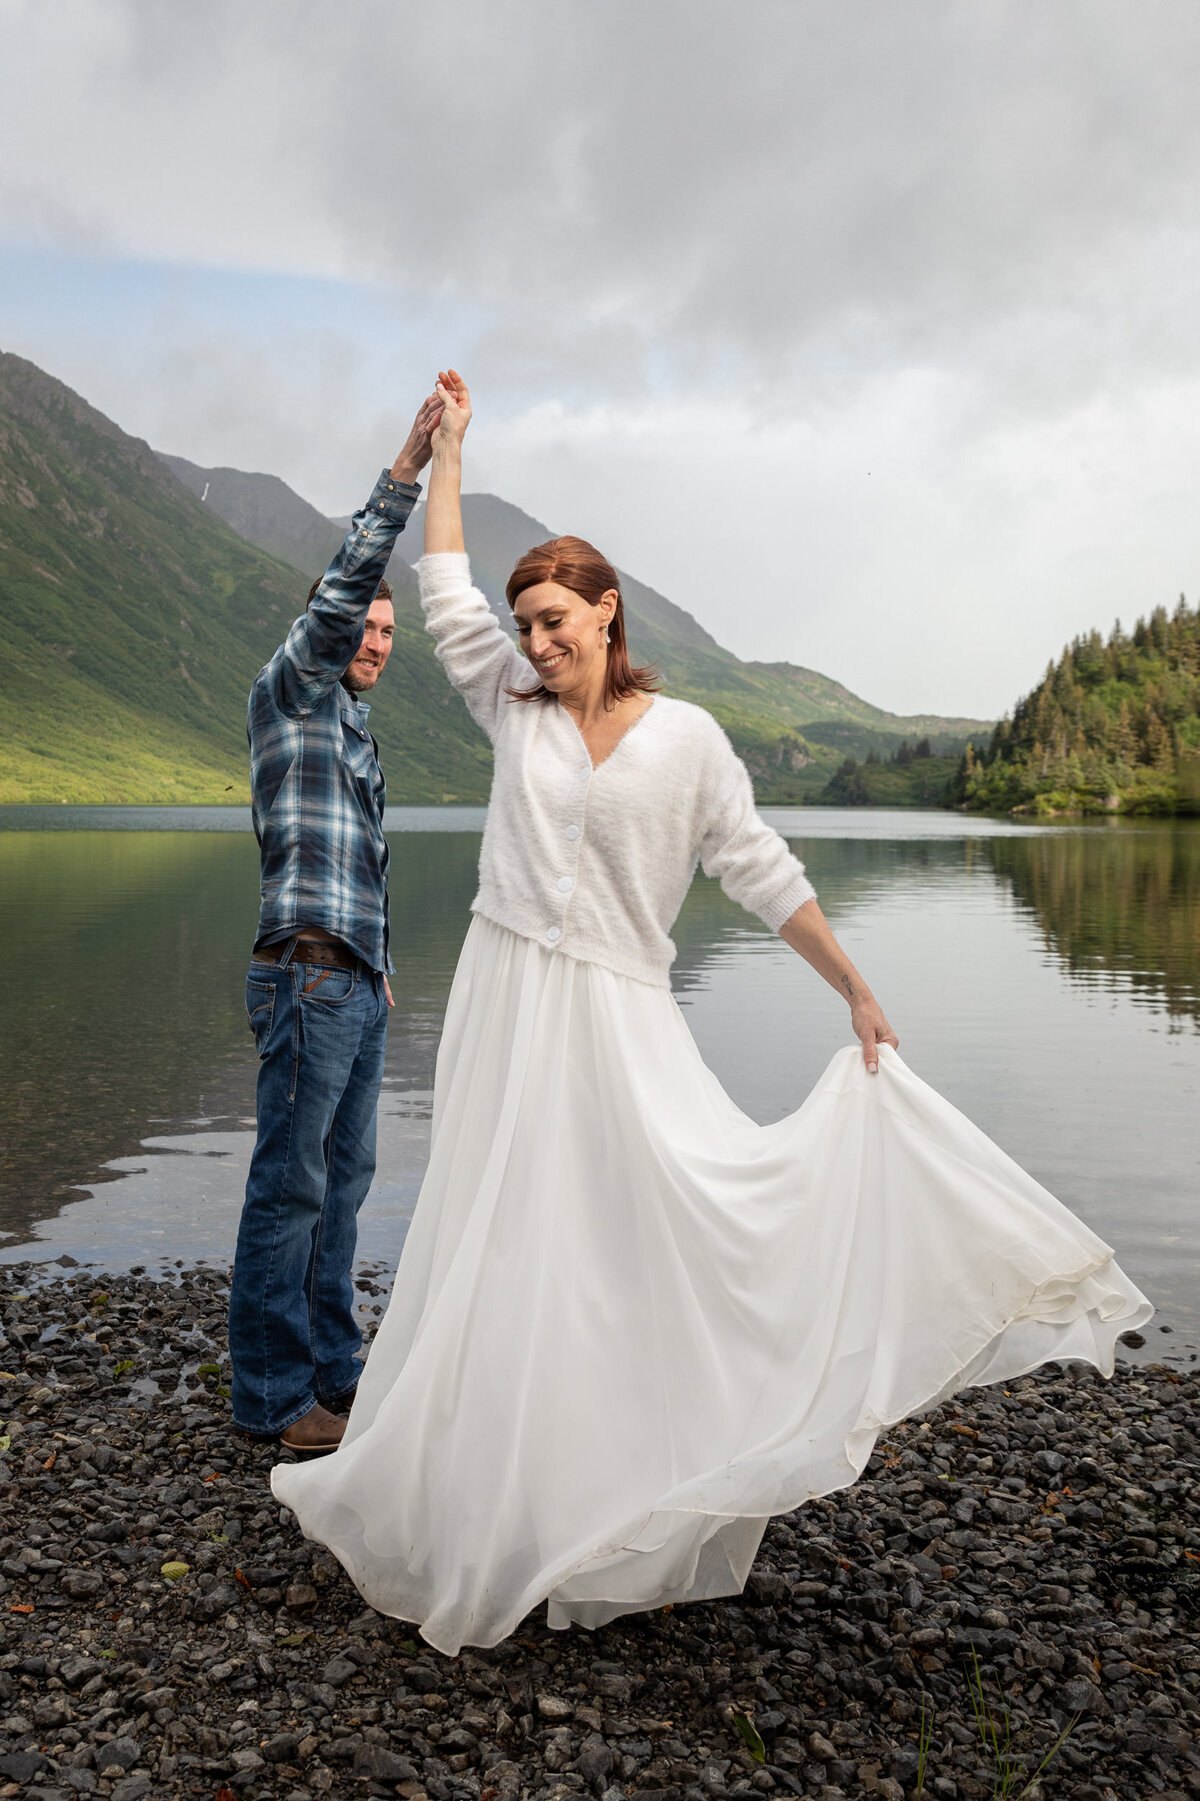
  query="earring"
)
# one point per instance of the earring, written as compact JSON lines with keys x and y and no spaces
{"x":607,"y":636}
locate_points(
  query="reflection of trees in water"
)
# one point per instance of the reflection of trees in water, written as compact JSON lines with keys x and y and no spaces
{"x":1120,"y":902}
{"x":846,"y":873}
{"x":123,"y":959}
{"x":123,"y":956}
{"x":119,"y":955}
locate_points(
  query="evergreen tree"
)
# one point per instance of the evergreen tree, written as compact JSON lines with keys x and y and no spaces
{"x":1115,"y":719}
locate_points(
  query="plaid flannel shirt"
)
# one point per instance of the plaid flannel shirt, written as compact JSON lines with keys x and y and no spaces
{"x":317,"y":788}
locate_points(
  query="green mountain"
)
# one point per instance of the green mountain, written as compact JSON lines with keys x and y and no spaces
{"x":792,"y":725}
{"x":133,"y":620}
{"x":265,"y":511}
{"x":1113,"y":727}
{"x":139,"y":593}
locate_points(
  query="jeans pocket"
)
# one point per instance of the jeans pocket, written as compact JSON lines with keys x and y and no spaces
{"x":325,"y":986}
{"x":260,"y":1011}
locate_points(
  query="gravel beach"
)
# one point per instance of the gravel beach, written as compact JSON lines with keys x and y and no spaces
{"x":1026,"y":1559}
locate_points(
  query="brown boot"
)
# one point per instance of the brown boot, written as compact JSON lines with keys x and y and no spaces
{"x":315,"y":1432}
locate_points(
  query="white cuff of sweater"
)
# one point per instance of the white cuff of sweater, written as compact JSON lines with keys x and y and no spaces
{"x":445,"y":572}
{"x":798,"y":890}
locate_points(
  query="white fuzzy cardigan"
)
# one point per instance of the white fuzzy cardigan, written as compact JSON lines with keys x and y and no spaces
{"x":596,"y":862}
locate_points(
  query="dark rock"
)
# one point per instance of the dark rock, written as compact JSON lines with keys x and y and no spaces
{"x":421,"y":1680}
{"x":50,"y":1711}
{"x":82,"y":1584}
{"x":123,"y":1751}
{"x":78,"y":1777}
{"x":131,"y":1788}
{"x":283,"y":1748}
{"x":22,"y":1766}
{"x":767,"y":1589}
{"x":217,"y":1601}
{"x":76,"y":1669}
{"x":595,"y":1761}
{"x":338,"y":1670}
{"x":378,"y":1764}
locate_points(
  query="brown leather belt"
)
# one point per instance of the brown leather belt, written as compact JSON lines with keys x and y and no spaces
{"x":310,"y":950}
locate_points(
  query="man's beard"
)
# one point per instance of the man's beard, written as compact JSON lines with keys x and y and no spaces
{"x":356,"y":683}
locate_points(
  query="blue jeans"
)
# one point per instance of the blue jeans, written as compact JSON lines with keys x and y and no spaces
{"x":293,"y":1336}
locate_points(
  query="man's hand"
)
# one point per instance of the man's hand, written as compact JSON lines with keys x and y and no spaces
{"x":387,"y":989}
{"x":452,"y":396}
{"x":418,"y":446}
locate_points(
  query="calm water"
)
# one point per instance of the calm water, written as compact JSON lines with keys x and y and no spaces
{"x":1047,"y":980}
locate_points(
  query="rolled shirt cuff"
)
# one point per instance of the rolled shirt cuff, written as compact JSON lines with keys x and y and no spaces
{"x":394,"y":499}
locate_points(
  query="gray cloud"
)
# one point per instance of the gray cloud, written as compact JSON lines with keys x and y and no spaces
{"x":952,"y":245}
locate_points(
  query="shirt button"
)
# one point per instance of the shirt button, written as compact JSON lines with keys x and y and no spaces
{"x":572,"y":832}
{"x":553,"y":935}
{"x":584,"y":773}
{"x":565,"y":884}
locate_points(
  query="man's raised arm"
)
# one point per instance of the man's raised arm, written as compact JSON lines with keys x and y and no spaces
{"x":322,"y":643}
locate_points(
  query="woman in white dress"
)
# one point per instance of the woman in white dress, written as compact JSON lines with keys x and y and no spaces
{"x":629,"y":1325}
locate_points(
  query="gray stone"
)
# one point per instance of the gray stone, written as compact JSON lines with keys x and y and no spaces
{"x":553,"y":1707}
{"x":283,"y":1748}
{"x":766,"y":1588}
{"x":338,"y":1670}
{"x":75,"y":1669}
{"x":123,"y":1751}
{"x":80,"y":1778}
{"x":377,"y":1764}
{"x":595,"y":1761}
{"x":22,"y":1766}
{"x":51,"y":1710}
{"x":80,"y":1584}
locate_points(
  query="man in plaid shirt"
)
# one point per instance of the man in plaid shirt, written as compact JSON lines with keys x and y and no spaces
{"x":317,"y":993}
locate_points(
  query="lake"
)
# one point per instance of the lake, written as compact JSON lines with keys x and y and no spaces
{"x":1046,"y":979}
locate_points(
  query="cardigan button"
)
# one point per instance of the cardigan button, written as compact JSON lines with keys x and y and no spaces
{"x":553,"y":935}
{"x":584,"y":773}
{"x":572,"y":832}
{"x":565,"y":884}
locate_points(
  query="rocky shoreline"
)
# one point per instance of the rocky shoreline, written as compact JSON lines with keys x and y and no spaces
{"x":1028,"y":1555}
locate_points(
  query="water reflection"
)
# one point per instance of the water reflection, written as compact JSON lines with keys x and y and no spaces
{"x":122,"y":958}
{"x":1035,"y":976}
{"x":1116,"y":907}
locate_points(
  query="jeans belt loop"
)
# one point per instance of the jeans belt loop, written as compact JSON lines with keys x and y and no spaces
{"x":288,"y":951}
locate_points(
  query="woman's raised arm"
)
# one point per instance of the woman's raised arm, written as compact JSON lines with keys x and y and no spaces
{"x":443,"y":508}
{"x":481,"y":660}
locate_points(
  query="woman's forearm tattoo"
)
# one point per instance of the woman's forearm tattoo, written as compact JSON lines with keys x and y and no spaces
{"x":849,"y":990}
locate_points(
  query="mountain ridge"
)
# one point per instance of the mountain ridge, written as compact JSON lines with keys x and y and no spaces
{"x":134,"y":617}
{"x":792,"y":724}
{"x":134,"y":620}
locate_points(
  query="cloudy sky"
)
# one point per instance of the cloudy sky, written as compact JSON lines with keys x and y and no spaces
{"x":868,"y":330}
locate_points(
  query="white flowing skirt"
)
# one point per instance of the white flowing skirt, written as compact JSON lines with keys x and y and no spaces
{"x":629,"y":1324}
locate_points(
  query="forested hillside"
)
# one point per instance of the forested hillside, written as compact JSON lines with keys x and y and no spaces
{"x":132,"y":621}
{"x":139,"y":594}
{"x":1114,"y":726}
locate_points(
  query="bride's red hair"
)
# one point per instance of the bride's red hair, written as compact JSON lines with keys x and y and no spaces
{"x":574,"y":563}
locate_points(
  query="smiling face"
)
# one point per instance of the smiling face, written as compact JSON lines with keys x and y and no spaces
{"x":563,"y":635}
{"x":375,"y":649}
